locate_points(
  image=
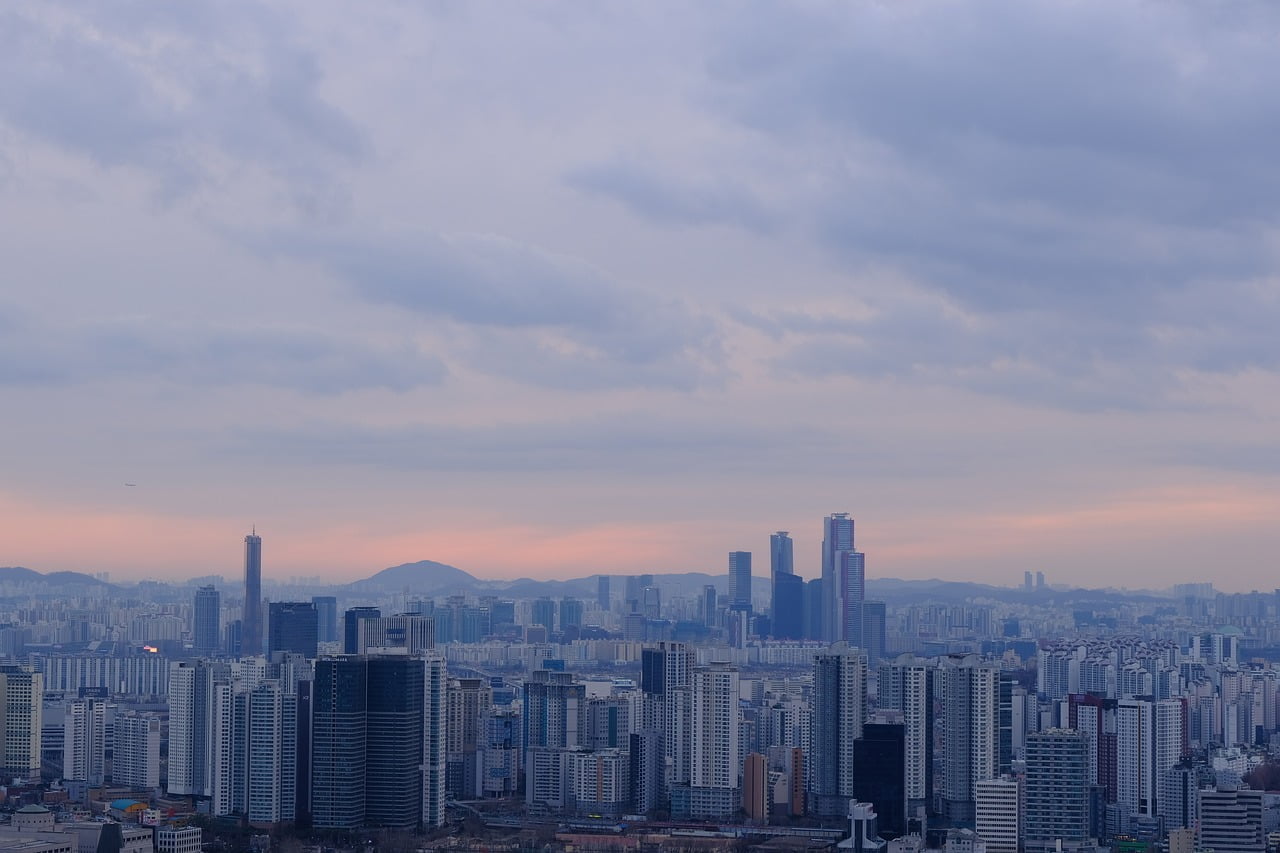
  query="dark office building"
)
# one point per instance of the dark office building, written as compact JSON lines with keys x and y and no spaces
{"x":880,"y":755}
{"x":787,"y":618}
{"x":570,"y":613}
{"x":292,"y":627}
{"x":338,"y":739}
{"x":393,"y":776}
{"x":544,"y":613}
{"x":873,"y":620}
{"x":813,"y":608}
{"x":351,"y":631}
{"x":326,"y":617}
{"x":207,"y":623}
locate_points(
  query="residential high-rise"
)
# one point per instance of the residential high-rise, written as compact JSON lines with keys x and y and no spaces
{"x":906,"y":685}
{"x":839,"y":709}
{"x":21,"y":710}
{"x":435,"y":681}
{"x":740,"y":580}
{"x":756,"y":795}
{"x":1057,"y":793}
{"x":251,"y":619}
{"x":84,"y":727}
{"x":201,"y":733}
{"x":1149,"y":741}
{"x":837,"y":536}
{"x":206,"y":628}
{"x":351,"y":627}
{"x":968,"y":691}
{"x":660,"y":756}
{"x":293,"y":627}
{"x":466,"y":702}
{"x":268,"y":717}
{"x":555,"y":723}
{"x":715,"y":760}
{"x":136,"y":754}
{"x":326,"y":617}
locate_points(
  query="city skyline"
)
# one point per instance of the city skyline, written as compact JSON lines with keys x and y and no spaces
{"x":1001,"y":282}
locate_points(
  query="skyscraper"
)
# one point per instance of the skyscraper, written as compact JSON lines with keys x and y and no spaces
{"x":602,"y":592}
{"x":839,"y":708}
{"x":837,"y":536}
{"x":326,"y":617}
{"x":351,"y":627}
{"x":251,"y":619}
{"x":851,"y":571}
{"x":394,"y":741}
{"x":786,"y":606}
{"x":740,"y":580}
{"x":906,"y":685}
{"x":781,"y":560}
{"x":715,"y":760}
{"x":880,"y":757}
{"x":207,"y":621}
{"x":338,"y":738}
{"x":293,"y":627}
{"x":268,"y":717}
{"x":968,"y":689}
{"x":1148,"y":743}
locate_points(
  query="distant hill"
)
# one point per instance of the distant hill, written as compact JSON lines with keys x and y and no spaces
{"x":424,"y":576}
{"x":19,"y":574}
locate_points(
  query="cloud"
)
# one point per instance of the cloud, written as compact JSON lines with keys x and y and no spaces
{"x":188,"y":95}
{"x":527,"y":314}
{"x":652,"y":195}
{"x":197,"y":356}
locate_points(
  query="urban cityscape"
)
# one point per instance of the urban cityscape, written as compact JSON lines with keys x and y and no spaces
{"x":644,"y":425}
{"x":416,"y":710}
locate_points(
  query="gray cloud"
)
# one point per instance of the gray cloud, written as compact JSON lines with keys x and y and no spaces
{"x":280,"y":356}
{"x":649,"y":193}
{"x":186,"y":94}
{"x":536,"y":316}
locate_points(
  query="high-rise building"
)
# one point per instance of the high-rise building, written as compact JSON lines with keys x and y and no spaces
{"x":84,"y":727}
{"x":543,"y":613}
{"x":839,"y":709}
{"x":293,"y":627}
{"x":756,"y":795}
{"x":1149,"y":741}
{"x":555,"y":724}
{"x":1231,"y":819}
{"x":968,"y":691}
{"x":709,"y":606}
{"x":851,"y":574}
{"x":787,"y":614}
{"x":251,"y":619}
{"x":837,"y":536}
{"x":781,"y":554}
{"x":715,"y":758}
{"x":412,"y":632}
{"x":268,"y":717}
{"x":660,"y":756}
{"x":997,"y":810}
{"x":570,"y":613}
{"x":466,"y":702}
{"x":602,"y":592}
{"x":326,"y":617}
{"x":435,"y":681}
{"x":873,"y":634}
{"x":906,"y":685}
{"x":351,"y":627}
{"x":339,"y":734}
{"x":740,"y":580}
{"x":880,"y":758}
{"x":814,"y":610}
{"x":136,"y":754}
{"x":201,"y":733}
{"x":1057,"y":793}
{"x":394,"y":741}
{"x":206,"y":628}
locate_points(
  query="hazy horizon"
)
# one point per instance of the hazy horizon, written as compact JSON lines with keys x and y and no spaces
{"x":556,"y":289}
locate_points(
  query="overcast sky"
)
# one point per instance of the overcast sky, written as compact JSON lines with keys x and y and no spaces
{"x":549,"y":289}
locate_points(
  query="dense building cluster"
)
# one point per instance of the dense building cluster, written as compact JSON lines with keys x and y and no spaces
{"x":1004,"y":721}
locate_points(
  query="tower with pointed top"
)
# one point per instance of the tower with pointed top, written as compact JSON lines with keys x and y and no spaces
{"x":251,"y":621}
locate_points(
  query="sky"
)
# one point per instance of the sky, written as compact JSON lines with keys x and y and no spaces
{"x":550,"y":289}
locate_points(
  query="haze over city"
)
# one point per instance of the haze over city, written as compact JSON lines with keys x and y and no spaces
{"x":555,"y":289}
